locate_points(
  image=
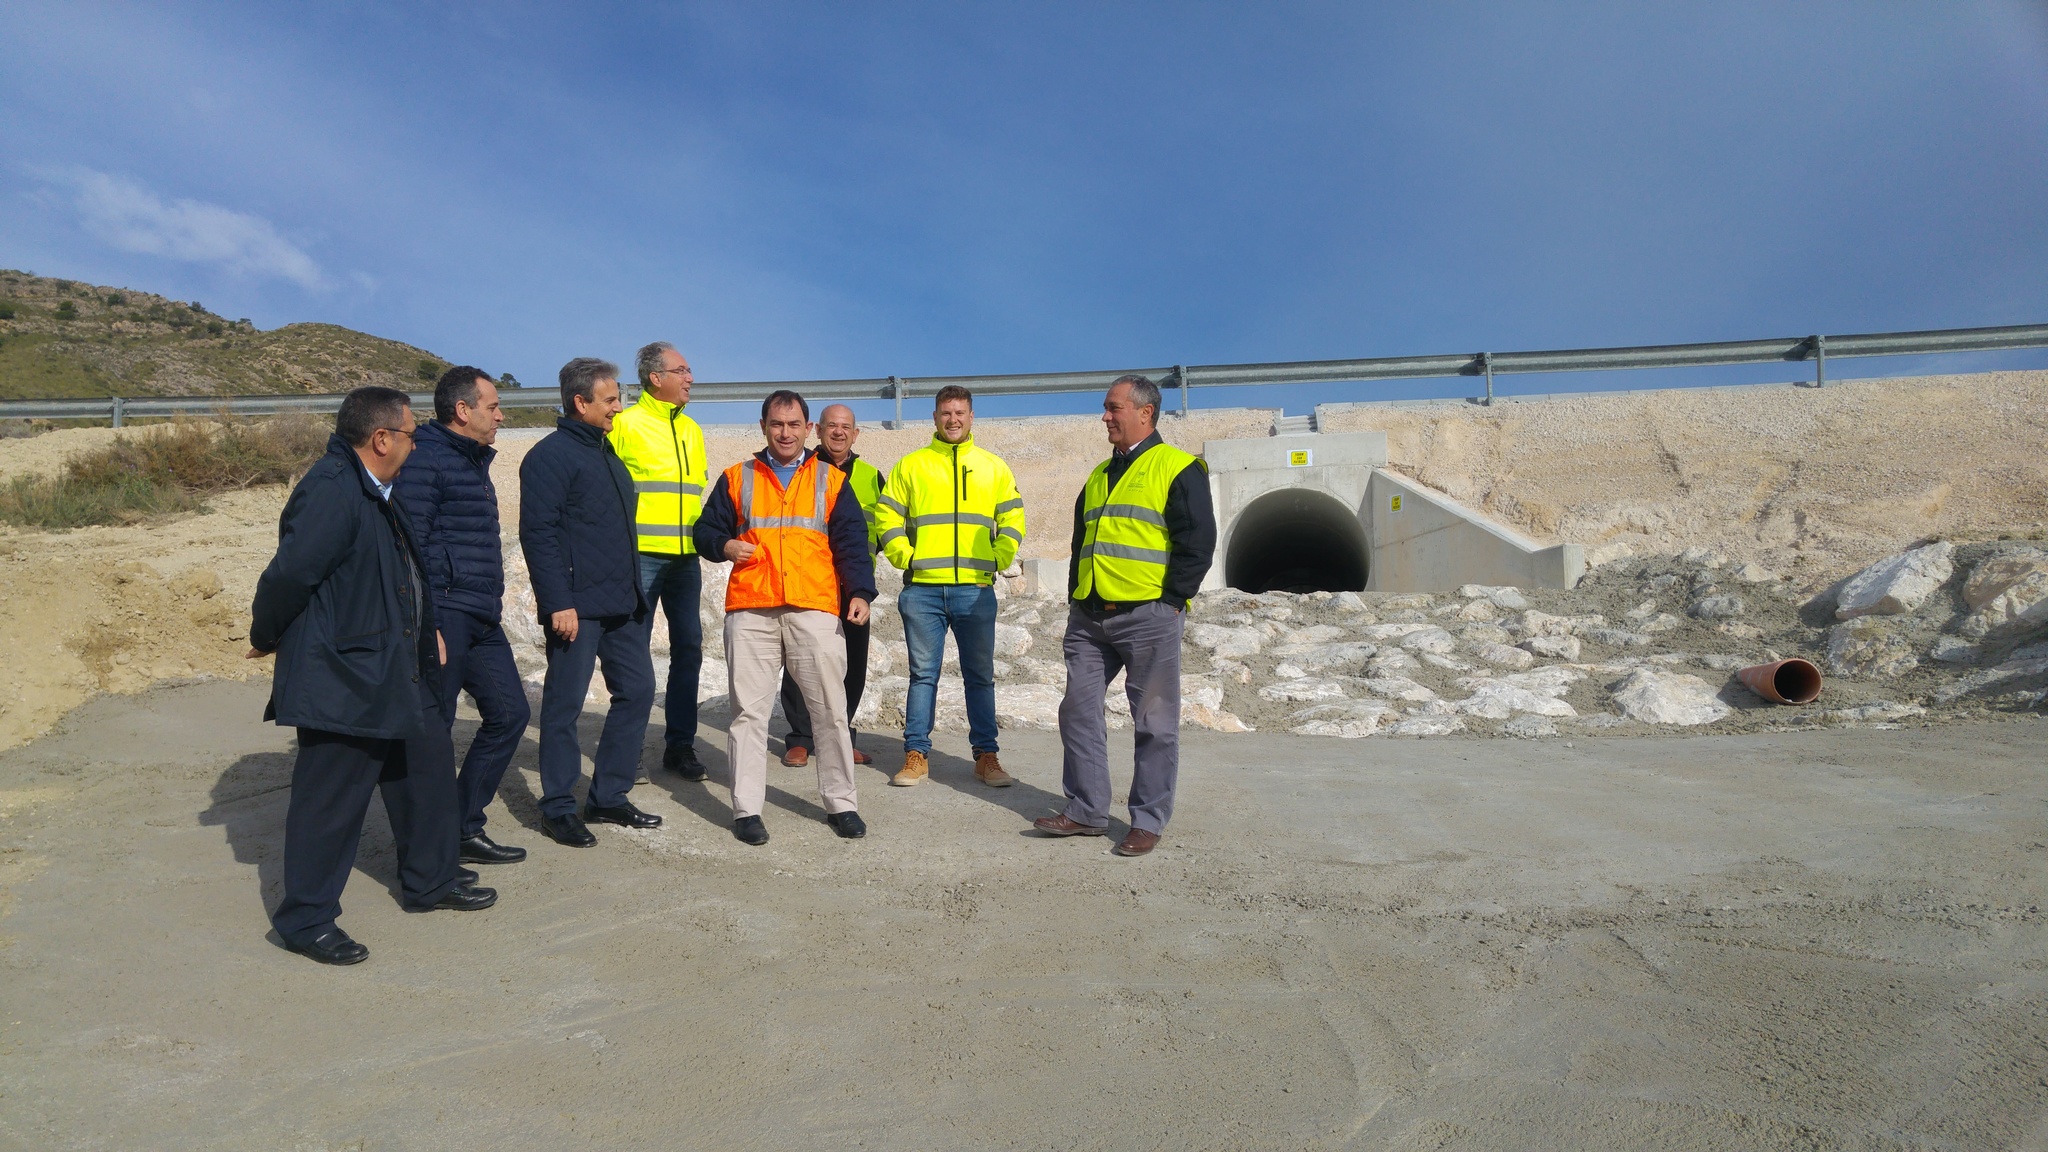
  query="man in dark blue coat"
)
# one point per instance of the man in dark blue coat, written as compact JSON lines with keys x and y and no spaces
{"x":344,"y":605}
{"x":576,"y":504}
{"x":446,"y":493}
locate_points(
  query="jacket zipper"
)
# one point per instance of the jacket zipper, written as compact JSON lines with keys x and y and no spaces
{"x":682,"y":471}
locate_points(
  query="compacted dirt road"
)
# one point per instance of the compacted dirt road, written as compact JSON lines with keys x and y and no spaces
{"x":1825,"y":939}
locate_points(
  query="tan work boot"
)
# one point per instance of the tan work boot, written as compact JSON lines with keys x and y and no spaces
{"x":915,"y":769}
{"x":990,"y":772}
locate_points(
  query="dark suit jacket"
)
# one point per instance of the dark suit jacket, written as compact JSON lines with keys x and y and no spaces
{"x":337,"y":605}
{"x":576,"y":505}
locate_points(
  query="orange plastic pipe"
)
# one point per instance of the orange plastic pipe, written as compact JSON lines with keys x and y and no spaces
{"x":1793,"y":681}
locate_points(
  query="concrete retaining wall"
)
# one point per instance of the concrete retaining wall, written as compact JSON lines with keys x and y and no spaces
{"x":1424,"y":541}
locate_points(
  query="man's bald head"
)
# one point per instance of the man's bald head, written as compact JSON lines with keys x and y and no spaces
{"x":837,"y":431}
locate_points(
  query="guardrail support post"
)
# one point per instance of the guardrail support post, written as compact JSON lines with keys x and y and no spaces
{"x":896,"y":390}
{"x":1486,"y":362}
{"x":116,"y":411}
{"x":1820,"y":361}
{"x":1180,"y":376}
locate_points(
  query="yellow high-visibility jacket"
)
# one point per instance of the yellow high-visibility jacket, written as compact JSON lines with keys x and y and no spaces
{"x":664,"y":450}
{"x":950,"y":514}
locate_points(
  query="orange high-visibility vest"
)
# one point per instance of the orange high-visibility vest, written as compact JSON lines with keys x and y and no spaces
{"x":792,"y":563}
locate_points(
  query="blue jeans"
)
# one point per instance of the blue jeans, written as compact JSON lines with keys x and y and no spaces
{"x":970,"y":611}
{"x":677,"y":583}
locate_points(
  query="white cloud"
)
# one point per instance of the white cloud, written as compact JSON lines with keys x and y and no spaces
{"x":128,"y":216}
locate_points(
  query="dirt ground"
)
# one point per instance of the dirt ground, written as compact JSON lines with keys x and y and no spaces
{"x":1825,"y":939}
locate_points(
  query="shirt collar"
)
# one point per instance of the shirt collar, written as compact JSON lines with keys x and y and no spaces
{"x":1140,"y":446}
{"x":383,"y":487}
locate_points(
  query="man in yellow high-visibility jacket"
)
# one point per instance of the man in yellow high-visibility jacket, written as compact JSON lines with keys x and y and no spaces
{"x":1144,"y":536}
{"x":664,"y":450}
{"x":950,"y":518}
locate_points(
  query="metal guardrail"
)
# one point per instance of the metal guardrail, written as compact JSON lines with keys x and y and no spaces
{"x":1789,"y":349}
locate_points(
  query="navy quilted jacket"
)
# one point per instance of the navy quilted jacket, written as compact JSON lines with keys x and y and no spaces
{"x":576,"y":504}
{"x":445,"y":489}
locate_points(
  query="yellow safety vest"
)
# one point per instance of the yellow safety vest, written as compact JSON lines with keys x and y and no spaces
{"x":664,"y":450}
{"x":865,"y":480}
{"x":1124,"y":546}
{"x":950,"y":514}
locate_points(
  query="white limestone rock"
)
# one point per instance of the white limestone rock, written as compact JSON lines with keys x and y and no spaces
{"x":1616,"y":637}
{"x":2019,"y":664}
{"x":1867,"y":646}
{"x":1718,"y":608}
{"x":1201,"y":705}
{"x":1485,"y":634}
{"x":1397,"y":688}
{"x":1448,"y":663}
{"x":1504,"y":656}
{"x":1347,"y":657}
{"x":1552,"y":647}
{"x":1233,"y":643}
{"x":1498,"y":697}
{"x":1303,"y":691}
{"x":1349,"y":602}
{"x":1529,"y":727}
{"x":1658,"y":697}
{"x":1012,"y":641}
{"x":1430,"y":640}
{"x":1661,"y":622}
{"x":2008,"y":593}
{"x":1702,"y":557}
{"x":1896,"y":584}
{"x":1392,"y":662}
{"x":1754,"y":573}
{"x":1350,"y":720}
{"x":1026,"y":706}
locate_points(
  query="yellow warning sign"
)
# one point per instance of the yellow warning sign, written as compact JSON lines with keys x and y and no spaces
{"x":1397,"y":505}
{"x":1299,"y":458}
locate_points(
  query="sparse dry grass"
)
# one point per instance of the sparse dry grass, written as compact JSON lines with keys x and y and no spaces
{"x":164,"y":470}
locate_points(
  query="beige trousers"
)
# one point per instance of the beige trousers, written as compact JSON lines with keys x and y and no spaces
{"x":759,"y":643}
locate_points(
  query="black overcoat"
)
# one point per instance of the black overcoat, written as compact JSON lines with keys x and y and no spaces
{"x":336,"y":605}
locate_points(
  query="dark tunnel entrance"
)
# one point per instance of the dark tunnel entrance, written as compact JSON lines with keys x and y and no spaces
{"x":1296,"y":540}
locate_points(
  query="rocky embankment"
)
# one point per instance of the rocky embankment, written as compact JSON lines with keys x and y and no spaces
{"x":1938,"y":633}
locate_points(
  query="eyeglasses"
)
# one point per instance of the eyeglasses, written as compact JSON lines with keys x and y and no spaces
{"x":668,"y":372}
{"x":401,"y":431}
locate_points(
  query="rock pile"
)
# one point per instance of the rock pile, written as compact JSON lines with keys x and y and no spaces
{"x":1642,"y":645}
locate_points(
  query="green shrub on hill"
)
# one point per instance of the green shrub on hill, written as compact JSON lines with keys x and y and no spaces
{"x":163,"y":470}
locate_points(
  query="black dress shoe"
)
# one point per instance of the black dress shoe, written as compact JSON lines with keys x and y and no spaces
{"x":681,"y":759}
{"x":849,"y":825}
{"x":569,"y":830}
{"x":481,"y":849}
{"x":332,"y":947}
{"x":464,"y":898}
{"x":750,"y":830}
{"x":466,"y":876}
{"x":621,"y":813}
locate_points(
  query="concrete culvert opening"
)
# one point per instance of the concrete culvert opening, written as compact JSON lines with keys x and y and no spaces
{"x":1296,"y":540}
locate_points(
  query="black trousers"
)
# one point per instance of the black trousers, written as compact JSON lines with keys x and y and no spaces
{"x":793,"y":709}
{"x":331,"y":786}
{"x":480,"y":663}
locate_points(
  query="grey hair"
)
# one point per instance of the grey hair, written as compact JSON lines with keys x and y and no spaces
{"x":648,"y":360}
{"x":580,"y":377}
{"x":1144,"y":392}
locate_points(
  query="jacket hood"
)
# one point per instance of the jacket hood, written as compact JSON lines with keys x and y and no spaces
{"x":470,"y":449}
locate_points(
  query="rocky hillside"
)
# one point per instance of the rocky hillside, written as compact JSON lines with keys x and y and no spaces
{"x":66,"y":338}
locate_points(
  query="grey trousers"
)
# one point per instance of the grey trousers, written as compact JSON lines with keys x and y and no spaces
{"x":1144,"y":642}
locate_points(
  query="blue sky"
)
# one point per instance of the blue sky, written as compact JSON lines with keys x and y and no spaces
{"x":833,"y":190}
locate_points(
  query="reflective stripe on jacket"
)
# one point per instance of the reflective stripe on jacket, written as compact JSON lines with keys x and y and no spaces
{"x":950,"y":514}
{"x":664,"y":450}
{"x":792,"y":562}
{"x":1125,"y":547}
{"x":866,"y":481}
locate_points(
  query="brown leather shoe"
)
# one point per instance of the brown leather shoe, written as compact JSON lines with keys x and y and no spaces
{"x":1061,"y":826}
{"x":989,"y":771}
{"x":1137,"y":843}
{"x":915,"y":769}
{"x":860,"y":757}
{"x":796,"y":757}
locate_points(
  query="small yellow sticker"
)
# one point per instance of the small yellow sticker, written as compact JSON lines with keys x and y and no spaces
{"x":1397,"y":504}
{"x":1298,"y":458}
